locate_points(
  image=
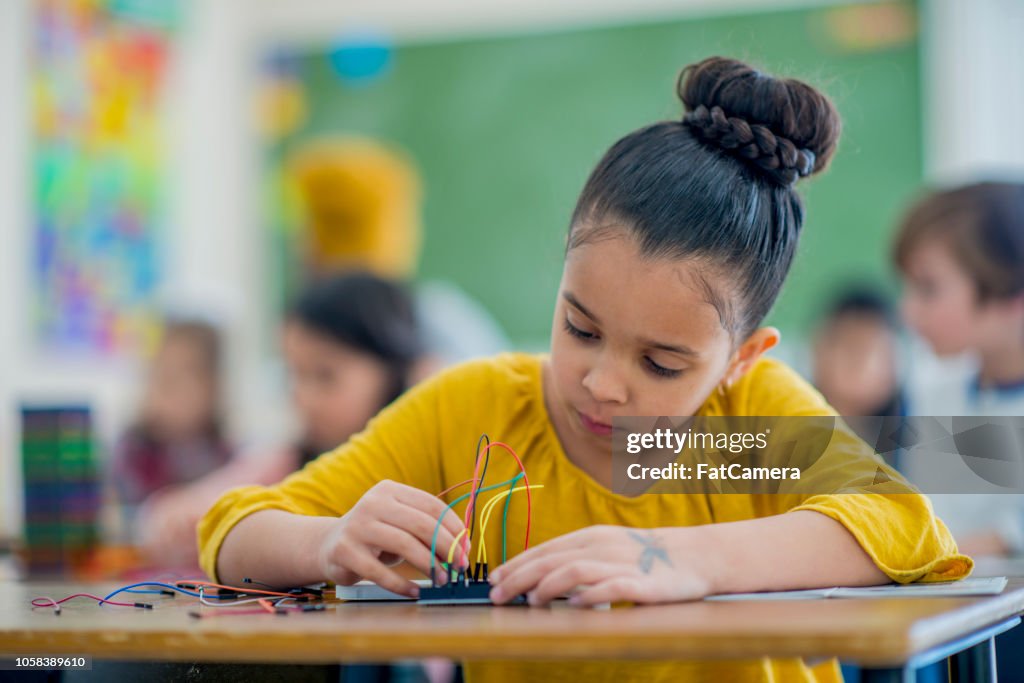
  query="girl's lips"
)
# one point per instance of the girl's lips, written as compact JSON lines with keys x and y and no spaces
{"x":595,"y":427}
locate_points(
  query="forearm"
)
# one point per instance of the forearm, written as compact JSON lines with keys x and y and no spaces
{"x":275,"y":547}
{"x":801,"y":549}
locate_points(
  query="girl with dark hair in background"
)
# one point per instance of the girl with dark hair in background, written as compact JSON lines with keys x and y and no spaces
{"x":352,"y":345}
{"x":679,"y":244}
{"x":179,"y":433}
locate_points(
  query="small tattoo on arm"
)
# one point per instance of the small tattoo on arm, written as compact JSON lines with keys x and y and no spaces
{"x":652,"y":551}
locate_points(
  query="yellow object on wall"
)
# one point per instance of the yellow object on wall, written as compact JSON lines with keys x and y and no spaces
{"x":359,"y":203}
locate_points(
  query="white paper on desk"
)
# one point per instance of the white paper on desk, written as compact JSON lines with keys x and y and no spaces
{"x":810,"y":594}
{"x":991,"y":585}
{"x":945,"y":589}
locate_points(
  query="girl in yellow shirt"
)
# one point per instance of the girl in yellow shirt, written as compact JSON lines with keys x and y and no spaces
{"x":677,"y":249}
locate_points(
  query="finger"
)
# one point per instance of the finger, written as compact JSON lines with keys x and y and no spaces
{"x":574,"y":540}
{"x":451,"y":527}
{"x":366,"y":566}
{"x":573,"y":575}
{"x":398,"y":541}
{"x":614,"y":589}
{"x":420,"y":525}
{"x":395,"y":495}
{"x":571,"y":542}
{"x":527,"y":576}
{"x":432,"y":506}
{"x":450,"y":521}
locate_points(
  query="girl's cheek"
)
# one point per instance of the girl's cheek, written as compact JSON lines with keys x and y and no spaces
{"x":567,"y":357}
{"x":574,"y":367}
{"x":670,"y":398}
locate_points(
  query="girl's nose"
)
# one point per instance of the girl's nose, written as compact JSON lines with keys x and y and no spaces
{"x":605,"y":384}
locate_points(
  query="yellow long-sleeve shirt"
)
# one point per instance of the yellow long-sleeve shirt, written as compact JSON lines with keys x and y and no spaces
{"x":427,"y":439}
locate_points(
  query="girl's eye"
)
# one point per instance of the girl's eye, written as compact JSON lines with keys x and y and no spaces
{"x":578,"y":333}
{"x":661,"y":371}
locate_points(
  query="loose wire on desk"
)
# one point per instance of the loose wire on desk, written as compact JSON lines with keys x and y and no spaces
{"x":179,"y":587}
{"x":310,"y":592}
{"x":221,"y":603}
{"x":266,"y":605}
{"x":141,"y":584}
{"x":46,"y":601}
{"x":250,"y":591}
{"x":152,"y":591}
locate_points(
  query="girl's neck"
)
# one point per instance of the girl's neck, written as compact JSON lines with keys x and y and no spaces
{"x":1002,"y":363}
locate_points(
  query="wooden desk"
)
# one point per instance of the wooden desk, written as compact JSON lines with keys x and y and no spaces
{"x":885,"y":636}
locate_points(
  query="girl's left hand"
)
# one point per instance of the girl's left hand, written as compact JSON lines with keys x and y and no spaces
{"x":606,"y":564}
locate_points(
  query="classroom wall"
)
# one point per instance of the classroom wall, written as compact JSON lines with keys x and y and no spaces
{"x":216,"y":247}
{"x":506,"y":129}
{"x":13,"y":67}
{"x":974,"y":91}
{"x":215,"y":244}
{"x":209,"y":263}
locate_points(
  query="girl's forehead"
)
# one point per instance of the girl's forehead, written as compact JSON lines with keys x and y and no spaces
{"x":670,"y":295}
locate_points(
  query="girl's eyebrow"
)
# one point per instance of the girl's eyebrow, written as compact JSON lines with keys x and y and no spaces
{"x":671,"y":348}
{"x":571,"y":298}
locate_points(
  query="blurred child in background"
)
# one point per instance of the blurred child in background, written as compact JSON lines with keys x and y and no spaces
{"x":352,"y":345}
{"x":178,"y":435}
{"x":855,"y":355}
{"x":357,"y":204}
{"x":961,"y":254}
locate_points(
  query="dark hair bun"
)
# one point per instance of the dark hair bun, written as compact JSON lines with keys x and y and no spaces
{"x":782,"y":127}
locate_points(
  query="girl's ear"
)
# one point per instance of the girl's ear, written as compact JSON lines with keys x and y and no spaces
{"x":749,"y":351}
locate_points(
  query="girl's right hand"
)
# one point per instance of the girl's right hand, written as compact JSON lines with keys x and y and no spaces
{"x":390,"y":523}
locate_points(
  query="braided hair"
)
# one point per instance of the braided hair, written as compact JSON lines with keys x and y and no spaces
{"x":718,"y":185}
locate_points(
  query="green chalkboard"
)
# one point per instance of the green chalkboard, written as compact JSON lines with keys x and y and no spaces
{"x":505,"y":130}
